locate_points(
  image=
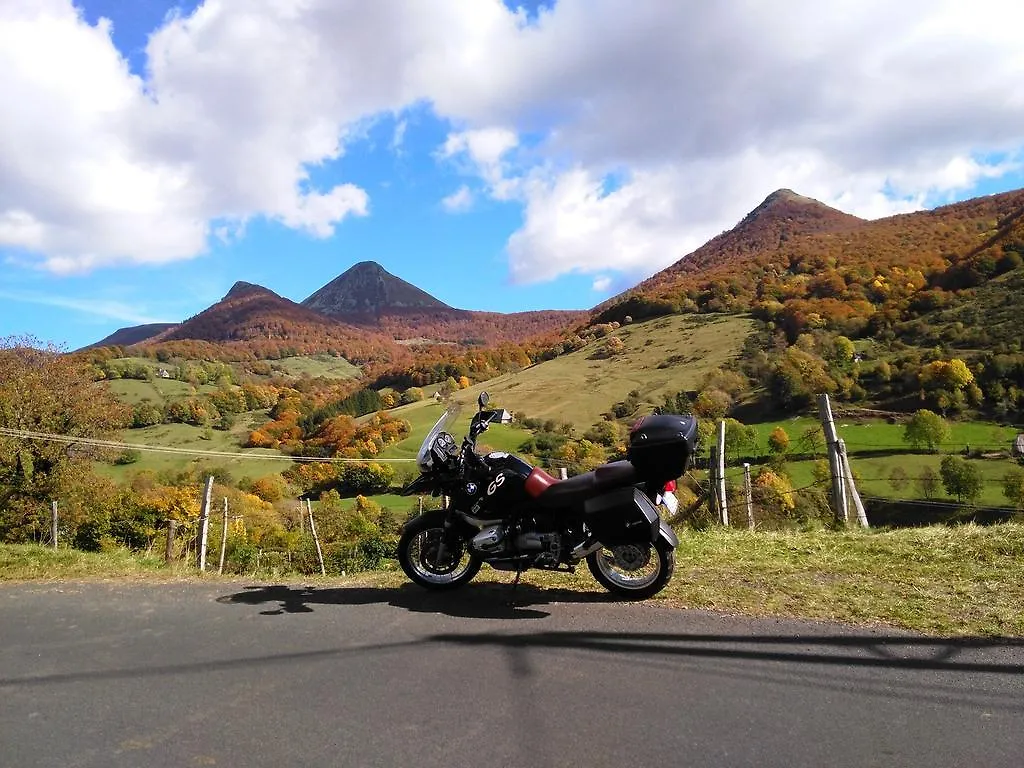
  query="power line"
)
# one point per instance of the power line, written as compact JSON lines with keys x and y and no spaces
{"x":93,"y":442}
{"x":945,"y":504}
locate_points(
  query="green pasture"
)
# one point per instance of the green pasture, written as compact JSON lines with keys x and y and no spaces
{"x":876,"y":447}
{"x":878,"y":434}
{"x":199,"y":439}
{"x":135,"y":391}
{"x":325,"y":366}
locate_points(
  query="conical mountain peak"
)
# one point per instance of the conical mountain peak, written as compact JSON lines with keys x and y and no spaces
{"x":367,"y":288}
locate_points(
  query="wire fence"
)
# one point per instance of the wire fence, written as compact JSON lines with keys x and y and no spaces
{"x":809,"y":495}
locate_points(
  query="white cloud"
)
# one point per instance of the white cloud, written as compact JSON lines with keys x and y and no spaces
{"x":484,"y":152}
{"x":698,"y":110}
{"x":602,"y":283}
{"x":459,"y":201}
{"x":398,"y":137}
{"x":101,"y":308}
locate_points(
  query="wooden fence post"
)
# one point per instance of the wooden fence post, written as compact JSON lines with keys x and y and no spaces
{"x":223,"y":538}
{"x":713,"y":503}
{"x":834,"y":462}
{"x":169,"y":552}
{"x":563,"y":473}
{"x":316,"y":539}
{"x":851,"y":486}
{"x":750,"y":496}
{"x":53,"y":523}
{"x":204,"y":522}
{"x":723,"y":503}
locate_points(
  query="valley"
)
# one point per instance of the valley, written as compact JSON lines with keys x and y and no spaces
{"x":892,"y":318}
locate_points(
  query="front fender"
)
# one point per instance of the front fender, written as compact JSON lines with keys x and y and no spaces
{"x":421,"y":484}
{"x":437,"y":518}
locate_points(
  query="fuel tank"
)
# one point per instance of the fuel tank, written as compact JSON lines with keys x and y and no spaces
{"x":505,"y":491}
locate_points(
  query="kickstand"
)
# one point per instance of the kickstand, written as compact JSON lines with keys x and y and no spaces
{"x":515,"y":583}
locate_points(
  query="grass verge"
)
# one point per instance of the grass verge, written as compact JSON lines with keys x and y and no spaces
{"x":935,"y":580}
{"x":948,"y":581}
{"x":32,"y":562}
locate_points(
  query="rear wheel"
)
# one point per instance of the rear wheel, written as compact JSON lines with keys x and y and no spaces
{"x":421,"y":557}
{"x":633,"y":571}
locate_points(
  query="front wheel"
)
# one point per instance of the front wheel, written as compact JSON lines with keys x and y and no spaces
{"x":633,"y":571}
{"x":422,"y":559}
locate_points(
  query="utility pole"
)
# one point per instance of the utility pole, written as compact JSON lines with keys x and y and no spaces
{"x":204,"y":522}
{"x":834,"y":461}
{"x":723,"y":504}
{"x":316,"y":539}
{"x":750,"y":496}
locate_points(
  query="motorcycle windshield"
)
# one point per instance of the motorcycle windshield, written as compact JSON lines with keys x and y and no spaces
{"x":423,"y":458}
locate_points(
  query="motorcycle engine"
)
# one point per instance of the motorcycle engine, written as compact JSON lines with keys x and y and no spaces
{"x":494,"y":541}
{"x":490,"y":541}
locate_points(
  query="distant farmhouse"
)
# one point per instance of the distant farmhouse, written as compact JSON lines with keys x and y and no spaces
{"x":1018,"y":445}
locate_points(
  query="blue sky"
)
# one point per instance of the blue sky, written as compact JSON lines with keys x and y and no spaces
{"x":500,"y":158}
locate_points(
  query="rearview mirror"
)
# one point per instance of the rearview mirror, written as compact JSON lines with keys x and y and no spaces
{"x":483,"y":400}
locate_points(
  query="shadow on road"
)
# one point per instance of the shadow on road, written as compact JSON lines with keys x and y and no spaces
{"x":475,"y":601}
{"x":961,"y":654}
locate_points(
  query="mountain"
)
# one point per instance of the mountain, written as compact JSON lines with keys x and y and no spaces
{"x":794,"y":256}
{"x":368,"y":296}
{"x":136,"y":334}
{"x":367,"y":289}
{"x":783,"y":217}
{"x":259,"y":317}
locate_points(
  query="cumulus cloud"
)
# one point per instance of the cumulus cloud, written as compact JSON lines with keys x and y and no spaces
{"x":629,"y":134}
{"x":459,"y":201}
{"x":699,"y":110}
{"x":483,"y":152}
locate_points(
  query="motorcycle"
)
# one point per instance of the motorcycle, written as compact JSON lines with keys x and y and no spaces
{"x":513,"y":516}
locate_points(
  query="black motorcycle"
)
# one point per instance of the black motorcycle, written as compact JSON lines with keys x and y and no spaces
{"x":513,"y":516}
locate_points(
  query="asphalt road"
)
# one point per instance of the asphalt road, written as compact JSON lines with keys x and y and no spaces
{"x":241,"y":675}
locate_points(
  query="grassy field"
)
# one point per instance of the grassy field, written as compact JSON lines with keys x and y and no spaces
{"x":936,"y":580}
{"x":876,"y":447}
{"x":134,"y":391}
{"x":319,"y":365}
{"x":200,"y":439}
{"x":663,"y":355}
{"x":877,"y":434}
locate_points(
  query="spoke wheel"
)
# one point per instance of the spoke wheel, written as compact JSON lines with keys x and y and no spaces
{"x":633,"y":571}
{"x":421,"y":557}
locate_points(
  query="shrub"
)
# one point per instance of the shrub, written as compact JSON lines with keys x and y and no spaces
{"x":129,"y":456}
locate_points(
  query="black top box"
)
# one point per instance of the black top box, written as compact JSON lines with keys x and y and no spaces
{"x":660,"y":446}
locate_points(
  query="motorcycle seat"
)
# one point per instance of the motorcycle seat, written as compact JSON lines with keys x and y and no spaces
{"x":551,"y":492}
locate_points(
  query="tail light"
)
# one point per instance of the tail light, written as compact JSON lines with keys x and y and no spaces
{"x":670,"y":486}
